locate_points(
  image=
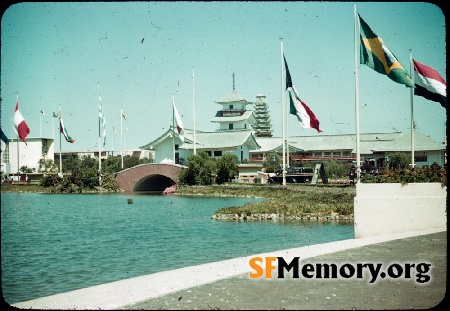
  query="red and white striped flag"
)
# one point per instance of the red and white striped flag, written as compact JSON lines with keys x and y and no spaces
{"x":429,"y":84}
{"x":180,"y":128}
{"x":20,"y":125}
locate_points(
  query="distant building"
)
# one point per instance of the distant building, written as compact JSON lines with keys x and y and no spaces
{"x":374,"y":148}
{"x":169,"y":145}
{"x":15,"y":155}
{"x":234,"y":114}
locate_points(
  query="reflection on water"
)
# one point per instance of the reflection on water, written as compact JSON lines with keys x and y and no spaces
{"x":53,"y":243}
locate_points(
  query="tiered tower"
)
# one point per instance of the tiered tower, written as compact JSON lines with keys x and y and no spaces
{"x":263,"y":126}
{"x":234,"y":114}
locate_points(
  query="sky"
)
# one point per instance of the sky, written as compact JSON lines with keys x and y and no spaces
{"x":137,"y":55}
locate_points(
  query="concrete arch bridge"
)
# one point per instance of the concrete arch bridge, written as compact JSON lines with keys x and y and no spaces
{"x":148,"y":177}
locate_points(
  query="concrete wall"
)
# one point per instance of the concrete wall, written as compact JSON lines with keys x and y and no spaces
{"x":381,"y":209}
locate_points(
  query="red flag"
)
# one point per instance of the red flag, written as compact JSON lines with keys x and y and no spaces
{"x":20,"y":125}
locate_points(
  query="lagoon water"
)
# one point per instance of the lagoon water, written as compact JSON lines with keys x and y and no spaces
{"x":54,"y":243}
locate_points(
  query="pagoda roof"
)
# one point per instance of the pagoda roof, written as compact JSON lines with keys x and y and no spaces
{"x":233,"y":97}
{"x":247,"y":114}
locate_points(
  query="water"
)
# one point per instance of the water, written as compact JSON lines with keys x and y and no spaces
{"x":54,"y":243}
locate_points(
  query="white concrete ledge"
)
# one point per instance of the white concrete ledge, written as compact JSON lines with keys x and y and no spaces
{"x":388,"y":208}
{"x":118,"y":294}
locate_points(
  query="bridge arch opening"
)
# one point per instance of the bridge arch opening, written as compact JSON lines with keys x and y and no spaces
{"x":155,"y":182}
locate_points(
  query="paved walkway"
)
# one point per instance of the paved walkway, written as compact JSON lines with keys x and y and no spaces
{"x":226,"y":285}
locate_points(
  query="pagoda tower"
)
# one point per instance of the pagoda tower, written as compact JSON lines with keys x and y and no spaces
{"x":234,"y":114}
{"x":263,"y":126}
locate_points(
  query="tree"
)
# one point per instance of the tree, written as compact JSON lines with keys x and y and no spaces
{"x":399,"y":160}
{"x":47,"y":166}
{"x":111,"y":165}
{"x":200,"y":170}
{"x":226,"y":168}
{"x":272,"y":162}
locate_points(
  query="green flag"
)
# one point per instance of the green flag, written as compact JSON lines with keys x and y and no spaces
{"x":377,"y":56}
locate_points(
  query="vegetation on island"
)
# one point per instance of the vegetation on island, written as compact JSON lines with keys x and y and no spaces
{"x":292,"y":199}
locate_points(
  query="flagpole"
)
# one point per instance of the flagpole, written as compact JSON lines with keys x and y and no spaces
{"x":40,"y":125}
{"x":358,"y":152}
{"x":283,"y":118}
{"x":287,"y":141}
{"x":53,"y":127}
{"x":121,"y":137}
{"x":193,"y":107}
{"x":60,"y":156}
{"x":99,"y":140}
{"x":18,"y":167}
{"x":112,"y":141}
{"x":412,"y":108}
{"x":173,"y":128}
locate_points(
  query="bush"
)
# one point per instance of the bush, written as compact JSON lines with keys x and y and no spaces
{"x":110,"y":183}
{"x":336,"y":170}
{"x":200,"y":170}
{"x":433,"y":173}
{"x":226,"y":168}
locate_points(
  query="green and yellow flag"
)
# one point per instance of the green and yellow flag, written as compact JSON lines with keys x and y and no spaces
{"x":377,"y":56}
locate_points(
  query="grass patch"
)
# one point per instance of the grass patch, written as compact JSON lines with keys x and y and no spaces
{"x":292,"y":200}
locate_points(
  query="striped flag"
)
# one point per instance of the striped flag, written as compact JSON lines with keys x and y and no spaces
{"x":298,"y":107}
{"x":429,"y":84}
{"x":20,"y":125}
{"x":377,"y":56}
{"x":101,"y":122}
{"x":63,"y":130}
{"x":180,"y":128}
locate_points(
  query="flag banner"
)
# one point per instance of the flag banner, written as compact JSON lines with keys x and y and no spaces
{"x":298,"y":107}
{"x":377,"y":56}
{"x":102,"y":122}
{"x":63,"y":130}
{"x":4,"y":138}
{"x":20,"y":125}
{"x":180,"y":128}
{"x":429,"y":84}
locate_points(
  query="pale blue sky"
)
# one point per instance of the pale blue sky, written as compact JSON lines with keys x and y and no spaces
{"x":56,"y":54}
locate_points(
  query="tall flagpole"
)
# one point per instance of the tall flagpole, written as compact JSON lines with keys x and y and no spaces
{"x":173,"y":128}
{"x":412,"y":108}
{"x":282,"y":117}
{"x":112,"y":141}
{"x":358,"y":152}
{"x":40,"y":125}
{"x":100,"y":114}
{"x":121,"y":137}
{"x":18,"y":166}
{"x":193,"y":108}
{"x":60,"y":156}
